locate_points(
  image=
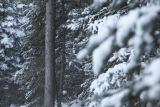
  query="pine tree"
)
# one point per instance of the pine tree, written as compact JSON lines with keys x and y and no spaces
{"x":125,"y":53}
{"x":11,"y":34}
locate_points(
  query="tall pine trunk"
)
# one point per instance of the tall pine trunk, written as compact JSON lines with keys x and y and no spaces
{"x":50,"y":77}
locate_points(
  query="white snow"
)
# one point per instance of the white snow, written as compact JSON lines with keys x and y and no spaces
{"x":107,"y":80}
{"x":23,"y":20}
{"x":19,"y":33}
{"x":124,"y":29}
{"x":9,"y":9}
{"x":3,"y":66}
{"x":8,"y":42}
{"x":101,"y":53}
{"x":104,"y":31}
{"x":121,"y":55}
{"x":151,"y":79}
{"x":82,"y":53}
{"x":115,"y":100}
{"x":73,"y":26}
{"x":20,"y":6}
{"x":98,"y":3}
{"x":4,"y":35}
{"x":64,"y":92}
{"x":9,"y":18}
{"x":7,"y":23}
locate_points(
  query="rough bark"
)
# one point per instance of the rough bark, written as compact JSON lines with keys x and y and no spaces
{"x":50,"y":78}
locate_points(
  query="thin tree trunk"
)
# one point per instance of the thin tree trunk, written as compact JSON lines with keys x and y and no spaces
{"x":63,"y":60}
{"x":50,"y":77}
{"x":62,"y":70}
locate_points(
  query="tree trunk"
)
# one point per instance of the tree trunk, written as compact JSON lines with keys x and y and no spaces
{"x":59,"y":100}
{"x":50,"y":77}
{"x":62,"y":70}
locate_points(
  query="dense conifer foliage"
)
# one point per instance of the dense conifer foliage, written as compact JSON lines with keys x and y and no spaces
{"x":125,"y":54}
{"x":106,"y":54}
{"x":11,"y":35}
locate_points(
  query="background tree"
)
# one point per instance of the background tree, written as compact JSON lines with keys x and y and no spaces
{"x":31,"y":76}
{"x":11,"y":34}
{"x":50,"y":73}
